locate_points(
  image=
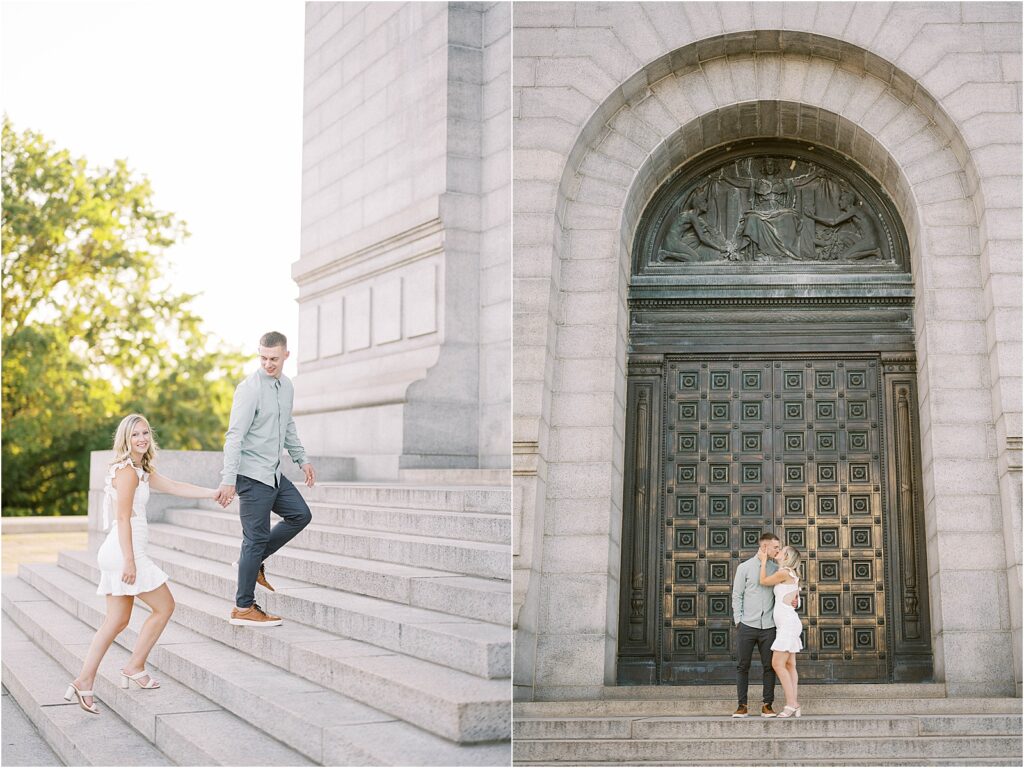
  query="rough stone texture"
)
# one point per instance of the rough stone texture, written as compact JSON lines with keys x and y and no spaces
{"x":404,"y":289}
{"x":927,"y":98}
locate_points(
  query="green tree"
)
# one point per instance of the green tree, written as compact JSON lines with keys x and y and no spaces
{"x":90,"y":331}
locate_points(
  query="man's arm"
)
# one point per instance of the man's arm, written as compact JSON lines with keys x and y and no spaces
{"x":293,"y":445}
{"x":243,"y":411}
{"x":738,"y":589}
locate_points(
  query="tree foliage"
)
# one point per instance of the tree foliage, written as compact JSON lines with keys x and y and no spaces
{"x":91,"y":331}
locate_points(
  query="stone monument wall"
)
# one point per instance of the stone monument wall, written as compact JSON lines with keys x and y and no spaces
{"x":400,"y":286}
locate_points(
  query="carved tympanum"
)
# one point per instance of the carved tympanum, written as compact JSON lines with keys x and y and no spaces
{"x":769,"y":208}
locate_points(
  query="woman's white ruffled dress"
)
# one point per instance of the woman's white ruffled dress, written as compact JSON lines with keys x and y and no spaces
{"x":148,"y":575}
{"x":787,"y":622}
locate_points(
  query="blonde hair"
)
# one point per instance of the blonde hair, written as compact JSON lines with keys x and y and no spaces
{"x":123,"y":442}
{"x":790,"y":557}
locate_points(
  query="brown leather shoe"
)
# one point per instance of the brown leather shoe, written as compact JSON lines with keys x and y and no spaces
{"x":261,"y":579}
{"x":253,"y":616}
{"x":741,"y":711}
{"x":767,"y":711}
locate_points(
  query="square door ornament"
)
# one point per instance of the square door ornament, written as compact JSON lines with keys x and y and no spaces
{"x":859,"y":473}
{"x":828,"y":570}
{"x":718,"y":573}
{"x":751,"y":411}
{"x":858,"y":441}
{"x":752,"y":442}
{"x":751,"y":473}
{"x":860,"y":504}
{"x":825,"y":409}
{"x":856,"y":410}
{"x":824,"y":380}
{"x":795,"y":505}
{"x":793,"y":411}
{"x":686,"y":572}
{"x":856,"y":380}
{"x":718,"y":640}
{"x":751,"y":537}
{"x":719,"y":411}
{"x":684,"y":640}
{"x":863,"y":570}
{"x":687,"y":443}
{"x":793,"y":380}
{"x":828,"y":538}
{"x":687,"y":473}
{"x":828,"y":506}
{"x":686,"y":606}
{"x":751,"y":506}
{"x":860,"y":537}
{"x":751,"y":379}
{"x":718,"y":506}
{"x":688,"y":381}
{"x":794,"y":473}
{"x":719,"y":380}
{"x":864,"y":604}
{"x":686,"y":538}
{"x":719,"y":605}
{"x":687,"y":411}
{"x":829,"y":639}
{"x":719,"y":474}
{"x":796,"y":537}
{"x":719,"y":442}
{"x":686,"y":506}
{"x":718,"y":538}
{"x":827,"y":473}
{"x":826,"y":441}
{"x":794,"y":441}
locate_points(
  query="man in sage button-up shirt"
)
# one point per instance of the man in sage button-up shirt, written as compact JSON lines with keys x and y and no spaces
{"x":260,"y":429}
{"x":752,"y":607}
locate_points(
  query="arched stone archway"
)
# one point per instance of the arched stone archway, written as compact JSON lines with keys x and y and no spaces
{"x":708,"y":93}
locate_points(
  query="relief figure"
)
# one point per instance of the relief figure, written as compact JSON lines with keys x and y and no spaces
{"x":772,"y":224}
{"x":857,"y":241}
{"x":690,"y":237}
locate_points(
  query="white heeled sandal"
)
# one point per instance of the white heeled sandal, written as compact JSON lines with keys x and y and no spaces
{"x":127,"y":680}
{"x":73,"y":692}
{"x":790,"y":712}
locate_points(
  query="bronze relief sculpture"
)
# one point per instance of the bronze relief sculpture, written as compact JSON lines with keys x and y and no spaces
{"x":768,"y":209}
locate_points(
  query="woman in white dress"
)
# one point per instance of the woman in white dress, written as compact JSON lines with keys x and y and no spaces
{"x":787,"y":643}
{"x":126,"y":571}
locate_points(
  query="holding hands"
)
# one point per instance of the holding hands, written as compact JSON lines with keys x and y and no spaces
{"x":224,"y":495}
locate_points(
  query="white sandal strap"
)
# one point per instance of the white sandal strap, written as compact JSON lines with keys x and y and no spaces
{"x":137,"y":675}
{"x":86,"y":693}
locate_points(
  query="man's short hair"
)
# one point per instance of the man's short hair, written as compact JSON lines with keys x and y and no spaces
{"x":767,"y":536}
{"x":273,"y":339}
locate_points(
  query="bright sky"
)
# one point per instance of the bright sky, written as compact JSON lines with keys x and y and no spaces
{"x":203,"y":98}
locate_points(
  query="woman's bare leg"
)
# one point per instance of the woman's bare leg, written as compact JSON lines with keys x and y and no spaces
{"x":791,"y":667}
{"x":779,"y":659}
{"x":119,"y":612}
{"x":161,"y":606}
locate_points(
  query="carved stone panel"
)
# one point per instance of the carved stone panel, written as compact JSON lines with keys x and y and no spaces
{"x":769,"y":203}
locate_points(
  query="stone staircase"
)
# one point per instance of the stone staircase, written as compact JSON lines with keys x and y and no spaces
{"x":396,"y":649}
{"x":841,"y":725}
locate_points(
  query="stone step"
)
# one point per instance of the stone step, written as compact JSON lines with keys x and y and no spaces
{"x":806,"y":727}
{"x":451,"y":704}
{"x":958,"y":762}
{"x":814,"y":689}
{"x":481,"y":649}
{"x":172,"y":725}
{"x":408,"y":495}
{"x":325,"y":726}
{"x":816,"y":704}
{"x":471,"y":558}
{"x":468,"y":596}
{"x":442,"y":524}
{"x":37,"y":683}
{"x":767,"y":751}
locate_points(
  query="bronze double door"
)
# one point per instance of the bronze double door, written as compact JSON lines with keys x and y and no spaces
{"x":805,"y":447}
